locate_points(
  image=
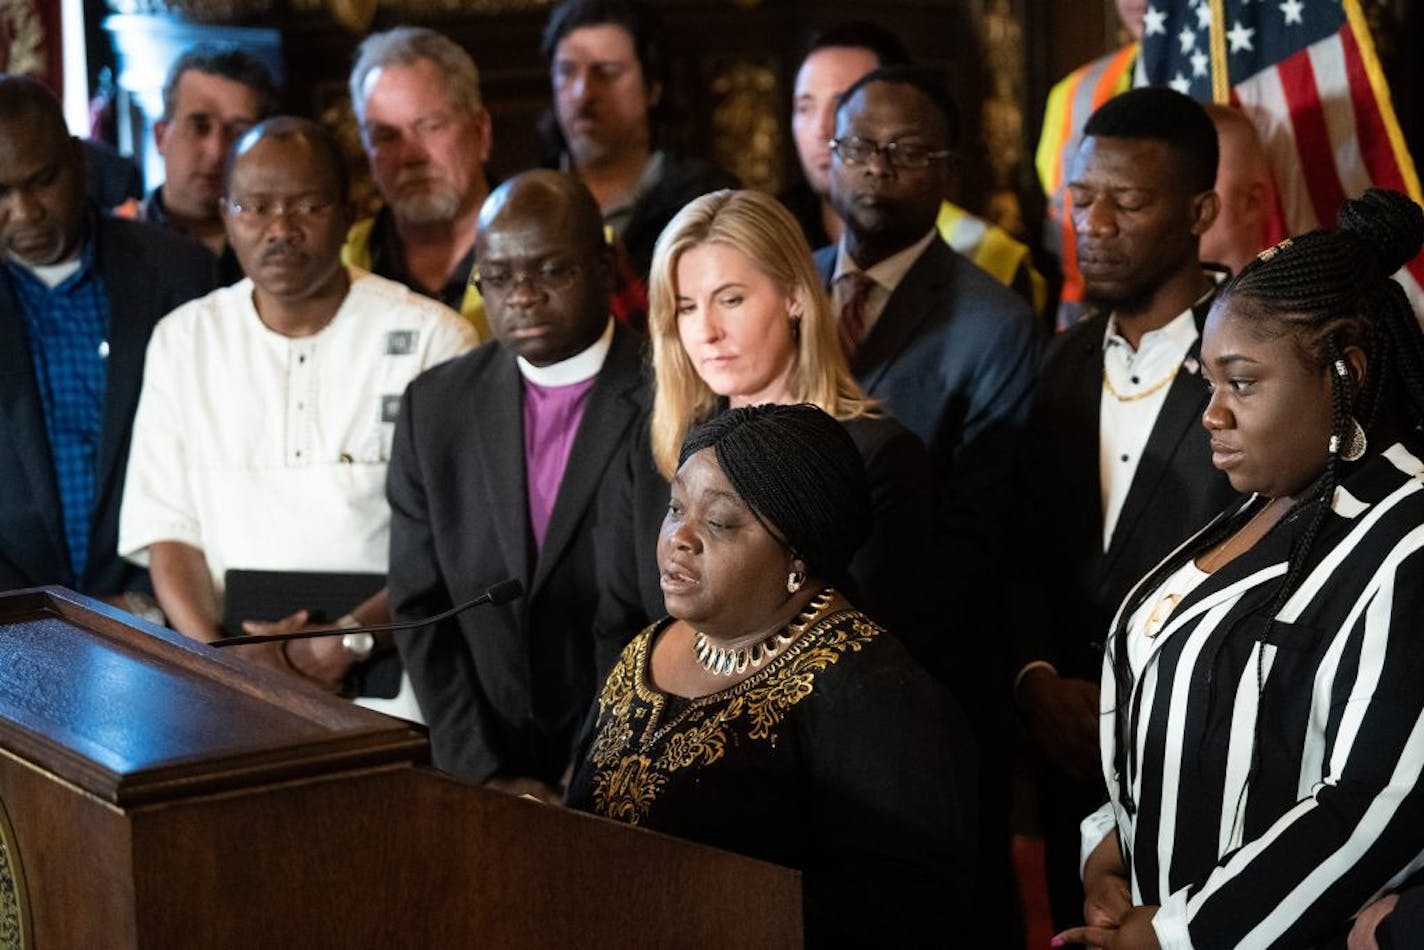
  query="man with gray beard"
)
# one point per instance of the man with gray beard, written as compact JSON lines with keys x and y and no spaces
{"x":427,"y":136}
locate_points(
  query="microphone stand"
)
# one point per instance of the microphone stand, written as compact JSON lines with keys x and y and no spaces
{"x":503,"y":592}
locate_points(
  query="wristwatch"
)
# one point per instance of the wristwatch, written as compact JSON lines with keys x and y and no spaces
{"x":358,"y":645}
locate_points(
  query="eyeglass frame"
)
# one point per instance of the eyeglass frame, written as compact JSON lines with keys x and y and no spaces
{"x":888,"y":152}
{"x":535,"y":277}
{"x":249,"y":212}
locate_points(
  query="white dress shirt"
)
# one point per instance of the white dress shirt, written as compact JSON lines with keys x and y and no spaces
{"x":1135,"y":385}
{"x":884,"y":276}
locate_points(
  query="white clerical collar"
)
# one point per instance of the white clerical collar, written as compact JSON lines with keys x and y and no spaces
{"x":889,"y":272}
{"x":576,"y":369}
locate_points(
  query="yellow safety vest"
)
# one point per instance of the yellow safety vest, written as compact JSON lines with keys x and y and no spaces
{"x":356,"y":252}
{"x":1070,"y":102}
{"x":993,"y":249}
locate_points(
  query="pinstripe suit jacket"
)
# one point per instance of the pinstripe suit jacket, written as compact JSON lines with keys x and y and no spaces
{"x":1276,"y":771}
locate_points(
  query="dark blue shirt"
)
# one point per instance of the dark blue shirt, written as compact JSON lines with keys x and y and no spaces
{"x":68,"y":338}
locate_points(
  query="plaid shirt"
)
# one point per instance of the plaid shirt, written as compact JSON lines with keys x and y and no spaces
{"x":68,"y":338}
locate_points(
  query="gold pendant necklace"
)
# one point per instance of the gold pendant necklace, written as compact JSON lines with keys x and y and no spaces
{"x":1160,"y":612}
{"x":730,"y":661}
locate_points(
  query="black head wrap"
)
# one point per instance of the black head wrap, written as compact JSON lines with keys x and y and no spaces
{"x":800,"y":473}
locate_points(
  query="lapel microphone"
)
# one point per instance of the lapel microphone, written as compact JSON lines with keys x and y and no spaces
{"x":501,"y":593}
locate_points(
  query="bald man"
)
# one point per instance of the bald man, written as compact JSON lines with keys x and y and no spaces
{"x":1248,"y":220}
{"x":498,"y":459}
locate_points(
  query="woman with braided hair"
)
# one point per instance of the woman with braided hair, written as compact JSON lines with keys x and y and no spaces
{"x":1263,"y":688}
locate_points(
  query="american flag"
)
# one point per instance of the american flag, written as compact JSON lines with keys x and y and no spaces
{"x":1306,"y":73}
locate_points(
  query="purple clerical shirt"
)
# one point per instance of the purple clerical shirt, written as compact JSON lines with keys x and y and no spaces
{"x":551,"y":420}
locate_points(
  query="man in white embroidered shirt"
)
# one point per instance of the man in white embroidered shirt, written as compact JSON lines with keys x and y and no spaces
{"x":1116,"y":470}
{"x":268,"y":407}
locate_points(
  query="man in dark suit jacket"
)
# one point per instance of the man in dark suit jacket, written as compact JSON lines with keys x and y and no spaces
{"x":1116,"y":468}
{"x":79,"y":296}
{"x":951,"y":353}
{"x":947,"y":349}
{"x":497,"y":462}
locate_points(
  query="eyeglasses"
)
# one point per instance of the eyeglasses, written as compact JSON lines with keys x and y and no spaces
{"x":263,"y":210}
{"x":857,"y":151}
{"x":550,"y":279}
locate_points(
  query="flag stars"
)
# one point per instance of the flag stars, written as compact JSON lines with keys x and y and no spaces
{"x":1154,"y":21}
{"x":1199,"y":62}
{"x":1240,"y":37}
{"x":1291,"y":10}
{"x":1204,"y":16}
{"x":1188,"y":39}
{"x":1181,"y":84}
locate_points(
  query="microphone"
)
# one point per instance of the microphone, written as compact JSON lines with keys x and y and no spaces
{"x":501,"y":593}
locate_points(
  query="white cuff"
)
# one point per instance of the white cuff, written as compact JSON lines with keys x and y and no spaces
{"x":1170,"y":922}
{"x":1093,"y":830}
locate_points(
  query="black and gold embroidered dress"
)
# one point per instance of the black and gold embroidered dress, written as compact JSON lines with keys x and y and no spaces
{"x":841,"y":757}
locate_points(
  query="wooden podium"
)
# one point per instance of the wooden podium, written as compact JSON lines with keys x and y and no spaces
{"x":158,"y":793}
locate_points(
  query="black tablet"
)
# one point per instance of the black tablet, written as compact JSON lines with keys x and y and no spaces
{"x":272,"y":595}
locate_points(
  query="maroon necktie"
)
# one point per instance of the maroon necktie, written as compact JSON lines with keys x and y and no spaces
{"x":852,"y":317}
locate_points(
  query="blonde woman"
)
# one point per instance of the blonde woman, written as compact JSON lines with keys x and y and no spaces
{"x":738,"y":317}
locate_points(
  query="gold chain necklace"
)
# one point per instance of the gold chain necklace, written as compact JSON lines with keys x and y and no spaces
{"x":729,"y":661}
{"x":1112,"y":391}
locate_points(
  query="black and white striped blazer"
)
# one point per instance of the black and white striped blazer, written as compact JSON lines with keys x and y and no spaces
{"x":1267,"y":816}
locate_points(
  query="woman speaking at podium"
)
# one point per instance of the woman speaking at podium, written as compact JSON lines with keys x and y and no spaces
{"x":767,"y":715}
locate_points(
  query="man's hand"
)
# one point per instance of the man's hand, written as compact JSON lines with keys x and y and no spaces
{"x":1134,"y":932}
{"x":1362,"y":935}
{"x":1062,"y":716}
{"x":269,"y":655}
{"x":323,"y":660}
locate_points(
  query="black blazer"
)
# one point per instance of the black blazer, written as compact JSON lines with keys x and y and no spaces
{"x":952,"y":357}
{"x":1069,"y":588}
{"x":503,"y":689}
{"x":146,"y":272}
